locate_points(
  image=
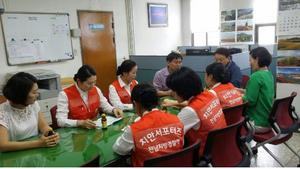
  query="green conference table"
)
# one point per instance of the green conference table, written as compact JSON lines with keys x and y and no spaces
{"x":77,"y":146}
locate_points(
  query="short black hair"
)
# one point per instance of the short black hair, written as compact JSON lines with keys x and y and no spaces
{"x":18,"y":87}
{"x":223,"y":51}
{"x":219,"y":72}
{"x":126,"y":67}
{"x":185,"y":82}
{"x":146,"y":95}
{"x":84,"y":72}
{"x":173,"y":55}
{"x":263,"y":55}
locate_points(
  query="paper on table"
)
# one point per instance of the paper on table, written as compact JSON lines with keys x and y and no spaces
{"x":110,"y":120}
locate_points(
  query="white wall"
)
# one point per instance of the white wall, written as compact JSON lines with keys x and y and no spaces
{"x":159,"y":40}
{"x":147,"y":40}
{"x":285,"y":89}
{"x":68,"y":68}
{"x":186,"y":23}
{"x":235,"y":4}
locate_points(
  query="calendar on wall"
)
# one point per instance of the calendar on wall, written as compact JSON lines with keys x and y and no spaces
{"x":288,"y":22}
{"x":288,"y":31}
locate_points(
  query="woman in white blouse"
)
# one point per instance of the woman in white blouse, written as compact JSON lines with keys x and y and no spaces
{"x":20,"y":116}
{"x":79,"y":104}
{"x":120,"y":89}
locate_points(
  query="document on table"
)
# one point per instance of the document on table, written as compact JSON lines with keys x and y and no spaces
{"x":110,"y":120}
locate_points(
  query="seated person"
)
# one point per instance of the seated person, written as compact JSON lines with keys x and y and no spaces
{"x":174,"y":62}
{"x":203,"y":113}
{"x":20,"y":116}
{"x":120,"y":89}
{"x":222,"y":55}
{"x":152,"y":134}
{"x":79,"y":104}
{"x":260,"y":89}
{"x":217,"y":80}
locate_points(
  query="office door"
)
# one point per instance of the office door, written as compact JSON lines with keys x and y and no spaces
{"x":98,"y":45}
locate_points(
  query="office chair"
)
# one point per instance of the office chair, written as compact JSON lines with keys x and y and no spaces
{"x":53,"y":117}
{"x":234,"y":115}
{"x":224,"y":148}
{"x":245,"y":79}
{"x":186,"y":157}
{"x":284,"y":121}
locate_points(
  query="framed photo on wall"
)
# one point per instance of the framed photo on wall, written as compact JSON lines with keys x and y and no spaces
{"x":157,"y":15}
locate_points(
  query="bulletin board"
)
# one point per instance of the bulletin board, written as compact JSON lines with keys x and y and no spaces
{"x":36,"y":37}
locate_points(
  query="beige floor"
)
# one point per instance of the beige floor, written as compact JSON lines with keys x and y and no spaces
{"x":263,"y":159}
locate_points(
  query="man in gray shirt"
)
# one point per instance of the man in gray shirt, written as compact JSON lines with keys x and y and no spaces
{"x":174,"y":62}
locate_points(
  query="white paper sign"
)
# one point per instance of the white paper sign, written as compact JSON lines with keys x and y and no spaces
{"x":110,"y":120}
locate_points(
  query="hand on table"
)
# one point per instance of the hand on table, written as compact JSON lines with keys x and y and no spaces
{"x":118,"y":112}
{"x":49,"y":141}
{"x":169,"y":103}
{"x":89,"y":124}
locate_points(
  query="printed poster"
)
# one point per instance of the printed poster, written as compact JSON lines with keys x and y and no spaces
{"x":288,"y":31}
{"x":237,"y":26}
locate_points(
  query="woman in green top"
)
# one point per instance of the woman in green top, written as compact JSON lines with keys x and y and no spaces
{"x":260,"y":89}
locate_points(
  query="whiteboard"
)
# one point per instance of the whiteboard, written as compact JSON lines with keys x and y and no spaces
{"x":36,"y":37}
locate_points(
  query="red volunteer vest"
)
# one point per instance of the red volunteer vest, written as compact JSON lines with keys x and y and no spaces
{"x":209,"y":111}
{"x":228,"y":95}
{"x":157,"y":133}
{"x":78,"y":110}
{"x":123,"y":94}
